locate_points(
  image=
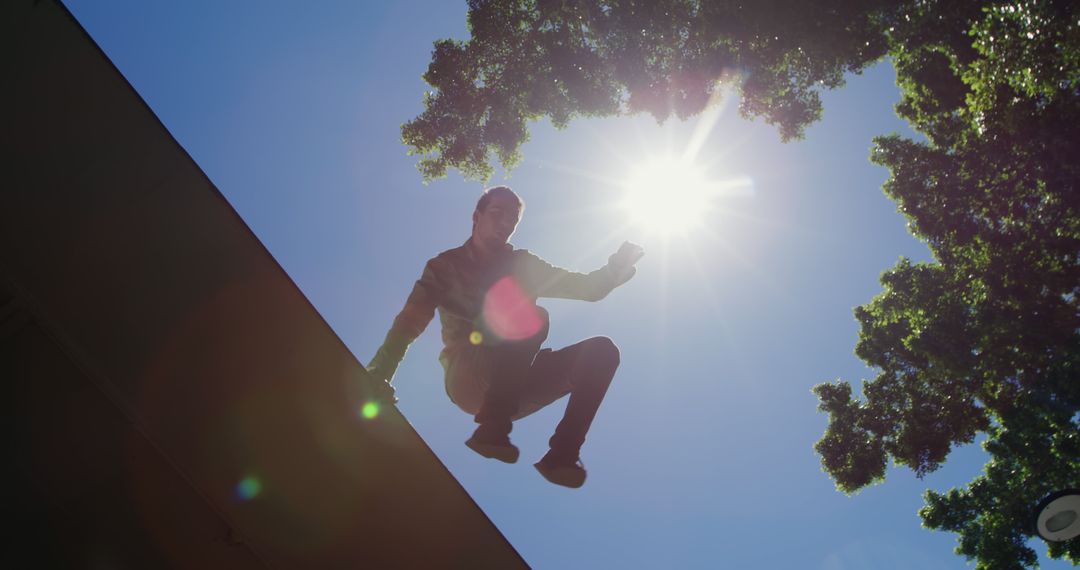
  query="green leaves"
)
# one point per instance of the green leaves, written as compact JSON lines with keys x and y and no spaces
{"x":924,"y":400}
{"x":851,"y":450}
{"x":985,"y":339}
{"x":528,"y":60}
{"x":1033,"y":453}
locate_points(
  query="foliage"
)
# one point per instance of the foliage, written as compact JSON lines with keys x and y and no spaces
{"x":560,"y":59}
{"x":982,"y":341}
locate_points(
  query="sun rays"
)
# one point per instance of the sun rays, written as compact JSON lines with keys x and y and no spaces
{"x":673,"y":192}
{"x":673,"y":195}
{"x":667,"y":194}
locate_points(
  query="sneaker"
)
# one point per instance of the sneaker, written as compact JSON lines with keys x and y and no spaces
{"x":565,"y":471}
{"x":493,"y":447}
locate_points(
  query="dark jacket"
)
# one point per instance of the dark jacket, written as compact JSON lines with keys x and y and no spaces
{"x":456,"y":281}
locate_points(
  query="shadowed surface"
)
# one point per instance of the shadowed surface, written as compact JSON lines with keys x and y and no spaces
{"x":177,"y":400}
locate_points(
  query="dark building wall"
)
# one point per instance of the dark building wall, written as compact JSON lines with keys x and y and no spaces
{"x":159,"y":357}
{"x":85,"y":488}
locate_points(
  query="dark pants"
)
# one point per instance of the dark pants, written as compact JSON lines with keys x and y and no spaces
{"x":502,"y":382}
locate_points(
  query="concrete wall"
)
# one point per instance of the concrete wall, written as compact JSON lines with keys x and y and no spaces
{"x":165,"y":368}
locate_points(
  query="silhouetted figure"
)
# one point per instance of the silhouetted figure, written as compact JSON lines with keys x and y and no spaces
{"x":486,"y":293}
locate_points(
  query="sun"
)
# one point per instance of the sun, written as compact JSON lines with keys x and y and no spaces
{"x":667,"y":195}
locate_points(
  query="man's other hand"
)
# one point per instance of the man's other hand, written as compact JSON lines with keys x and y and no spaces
{"x":384,"y":391}
{"x":381,"y":387}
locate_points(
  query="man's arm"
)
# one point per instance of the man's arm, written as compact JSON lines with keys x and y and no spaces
{"x":550,"y":281}
{"x":410,"y":323}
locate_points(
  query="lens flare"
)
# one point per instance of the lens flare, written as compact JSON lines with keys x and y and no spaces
{"x":370,"y":410}
{"x":476,"y":337}
{"x":248,"y":488}
{"x":509,"y":312}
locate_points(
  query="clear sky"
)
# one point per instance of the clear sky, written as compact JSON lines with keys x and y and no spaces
{"x":701,"y":456}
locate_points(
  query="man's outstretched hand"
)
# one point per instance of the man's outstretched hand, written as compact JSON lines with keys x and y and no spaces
{"x":623,"y":261}
{"x":629,"y":253}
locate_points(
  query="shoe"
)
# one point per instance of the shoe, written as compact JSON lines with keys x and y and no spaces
{"x":493,"y":447}
{"x":565,"y":471}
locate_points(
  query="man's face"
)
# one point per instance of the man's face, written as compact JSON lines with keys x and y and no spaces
{"x":497,"y":221}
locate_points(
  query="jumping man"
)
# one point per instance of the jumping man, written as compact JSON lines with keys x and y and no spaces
{"x":492,"y":329}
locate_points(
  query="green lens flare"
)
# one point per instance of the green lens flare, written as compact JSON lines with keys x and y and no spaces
{"x":370,"y":410}
{"x":248,"y":488}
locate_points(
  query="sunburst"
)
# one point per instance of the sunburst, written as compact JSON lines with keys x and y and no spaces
{"x":668,"y":195}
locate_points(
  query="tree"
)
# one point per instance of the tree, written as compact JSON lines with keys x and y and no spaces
{"x":982,"y":341}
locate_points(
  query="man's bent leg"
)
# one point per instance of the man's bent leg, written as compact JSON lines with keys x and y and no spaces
{"x":508,"y":366}
{"x":591,"y":371}
{"x":589,"y":366}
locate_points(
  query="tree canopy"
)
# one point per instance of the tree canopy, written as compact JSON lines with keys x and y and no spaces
{"x":982,"y":341}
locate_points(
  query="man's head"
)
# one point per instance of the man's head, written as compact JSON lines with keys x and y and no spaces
{"x":496,"y":216}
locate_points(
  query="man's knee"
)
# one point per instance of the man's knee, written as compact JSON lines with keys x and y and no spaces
{"x":604,"y":350}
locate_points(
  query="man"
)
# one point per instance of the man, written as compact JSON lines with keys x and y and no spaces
{"x":486,"y":293}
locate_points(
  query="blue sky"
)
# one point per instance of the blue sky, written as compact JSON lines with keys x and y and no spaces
{"x":702,"y":454}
